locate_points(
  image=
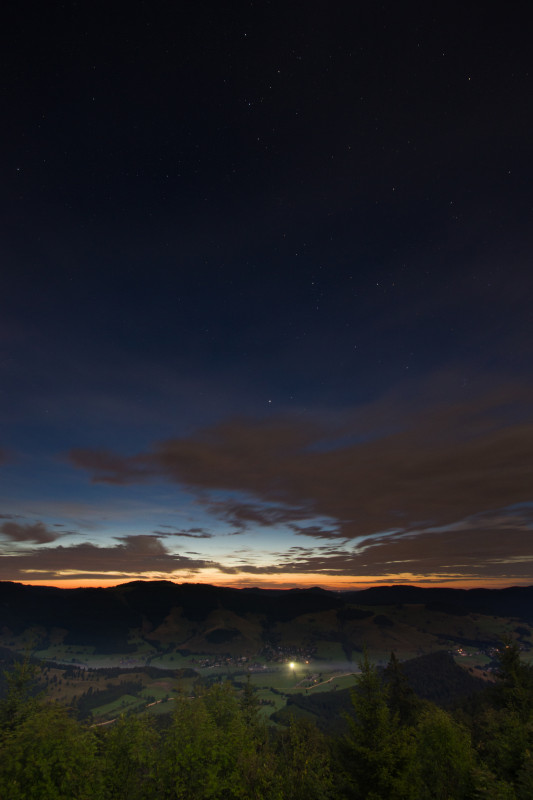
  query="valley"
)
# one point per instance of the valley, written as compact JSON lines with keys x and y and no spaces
{"x":138,"y":646}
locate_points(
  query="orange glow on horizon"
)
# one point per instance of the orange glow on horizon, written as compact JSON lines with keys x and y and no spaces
{"x":346,"y":583}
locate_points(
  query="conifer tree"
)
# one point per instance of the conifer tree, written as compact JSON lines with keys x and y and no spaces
{"x":401,"y":699}
{"x":504,"y":731}
{"x":128,"y":754}
{"x":250,"y":705}
{"x":377,"y":752}
{"x":304,"y":763}
{"x":22,"y":698}
{"x":45,"y":754}
{"x":444,"y":760}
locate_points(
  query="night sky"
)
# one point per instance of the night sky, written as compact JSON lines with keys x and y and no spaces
{"x":266,"y":286}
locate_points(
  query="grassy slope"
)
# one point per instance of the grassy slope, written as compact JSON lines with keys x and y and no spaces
{"x":336,"y":640}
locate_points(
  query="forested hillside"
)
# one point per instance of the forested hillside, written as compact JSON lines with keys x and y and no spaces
{"x":168,"y":625}
{"x":217,"y":745}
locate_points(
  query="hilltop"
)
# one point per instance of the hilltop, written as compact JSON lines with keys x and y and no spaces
{"x":150,"y":619}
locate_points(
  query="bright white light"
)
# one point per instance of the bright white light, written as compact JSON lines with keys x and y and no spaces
{"x":292,"y":665}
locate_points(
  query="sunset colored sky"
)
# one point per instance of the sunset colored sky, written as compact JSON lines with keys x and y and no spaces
{"x":266,"y":295}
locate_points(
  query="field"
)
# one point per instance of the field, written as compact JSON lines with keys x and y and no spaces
{"x":144,"y":668}
{"x":273,"y":686}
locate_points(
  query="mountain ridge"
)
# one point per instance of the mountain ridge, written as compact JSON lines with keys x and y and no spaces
{"x":203,"y":618}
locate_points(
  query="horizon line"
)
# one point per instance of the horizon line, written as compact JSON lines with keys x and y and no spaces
{"x":111,"y":584}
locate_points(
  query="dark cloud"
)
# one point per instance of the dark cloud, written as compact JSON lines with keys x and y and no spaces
{"x":491,"y":553}
{"x":437,"y":467}
{"x":219,"y":457}
{"x":185,"y":534}
{"x":29,"y":532}
{"x":397,"y":482}
{"x":243,"y":514}
{"x":317,"y":531}
{"x":449,"y":556}
{"x":109,"y":468}
{"x":132,"y":556}
{"x":147,"y":543}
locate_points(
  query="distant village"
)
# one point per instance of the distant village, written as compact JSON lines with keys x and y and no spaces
{"x":270,"y":654}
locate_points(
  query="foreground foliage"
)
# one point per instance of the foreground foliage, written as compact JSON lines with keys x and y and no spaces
{"x":217,"y":745}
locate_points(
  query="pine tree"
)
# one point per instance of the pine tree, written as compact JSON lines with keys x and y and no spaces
{"x":22,"y":698}
{"x":402,"y":700}
{"x":129,"y":753}
{"x":304,"y":763}
{"x":45,"y":754}
{"x":250,"y":705}
{"x":377,"y":751}
{"x":444,"y":759}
